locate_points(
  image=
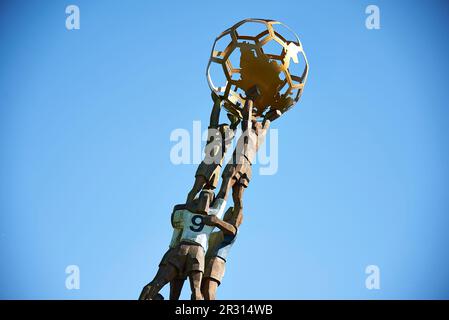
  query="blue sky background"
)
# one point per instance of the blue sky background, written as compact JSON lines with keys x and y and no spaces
{"x":86,"y":177}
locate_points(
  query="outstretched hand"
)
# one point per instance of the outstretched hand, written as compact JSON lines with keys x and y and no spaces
{"x":215,"y":97}
{"x":210,"y":220}
{"x":272,"y":115}
{"x":215,"y":114}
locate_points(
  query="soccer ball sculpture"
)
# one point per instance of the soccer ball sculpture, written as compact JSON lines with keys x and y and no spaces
{"x":262,"y":53}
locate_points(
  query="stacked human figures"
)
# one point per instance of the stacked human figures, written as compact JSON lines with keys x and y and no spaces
{"x":196,"y":251}
{"x":203,"y":230}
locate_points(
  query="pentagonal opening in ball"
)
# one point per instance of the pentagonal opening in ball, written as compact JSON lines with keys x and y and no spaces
{"x":234,"y":58}
{"x":284,"y":32}
{"x":251,"y":29}
{"x":222,"y":46}
{"x":297,"y":69}
{"x":217,"y":76}
{"x":273,"y":49}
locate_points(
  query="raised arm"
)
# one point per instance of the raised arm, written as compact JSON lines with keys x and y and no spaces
{"x":247,"y":115}
{"x":214,"y":221}
{"x":251,"y":94}
{"x":215,"y":114}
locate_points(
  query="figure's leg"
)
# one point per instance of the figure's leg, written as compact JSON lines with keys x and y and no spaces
{"x":164,"y":275}
{"x":195,"y":285}
{"x":209,"y":288}
{"x":226,"y":184}
{"x":176,"y":288}
{"x":237,"y":197}
{"x":200,"y":181}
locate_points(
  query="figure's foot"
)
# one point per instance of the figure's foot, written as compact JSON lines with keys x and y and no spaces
{"x":196,"y":296}
{"x":158,"y":297}
{"x":146,"y":293}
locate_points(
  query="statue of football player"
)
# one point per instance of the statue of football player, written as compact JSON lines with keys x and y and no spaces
{"x":177,"y":283}
{"x":220,"y":136}
{"x":188,"y":257}
{"x":238,"y":171}
{"x":220,"y":244}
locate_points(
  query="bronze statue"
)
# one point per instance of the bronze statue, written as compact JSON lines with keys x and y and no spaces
{"x":258,"y":90}
{"x":188,"y":257}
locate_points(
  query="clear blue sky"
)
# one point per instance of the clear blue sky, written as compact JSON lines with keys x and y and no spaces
{"x":86,"y":177}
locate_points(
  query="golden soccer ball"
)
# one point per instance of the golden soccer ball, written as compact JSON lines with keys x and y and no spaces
{"x":258,"y":52}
